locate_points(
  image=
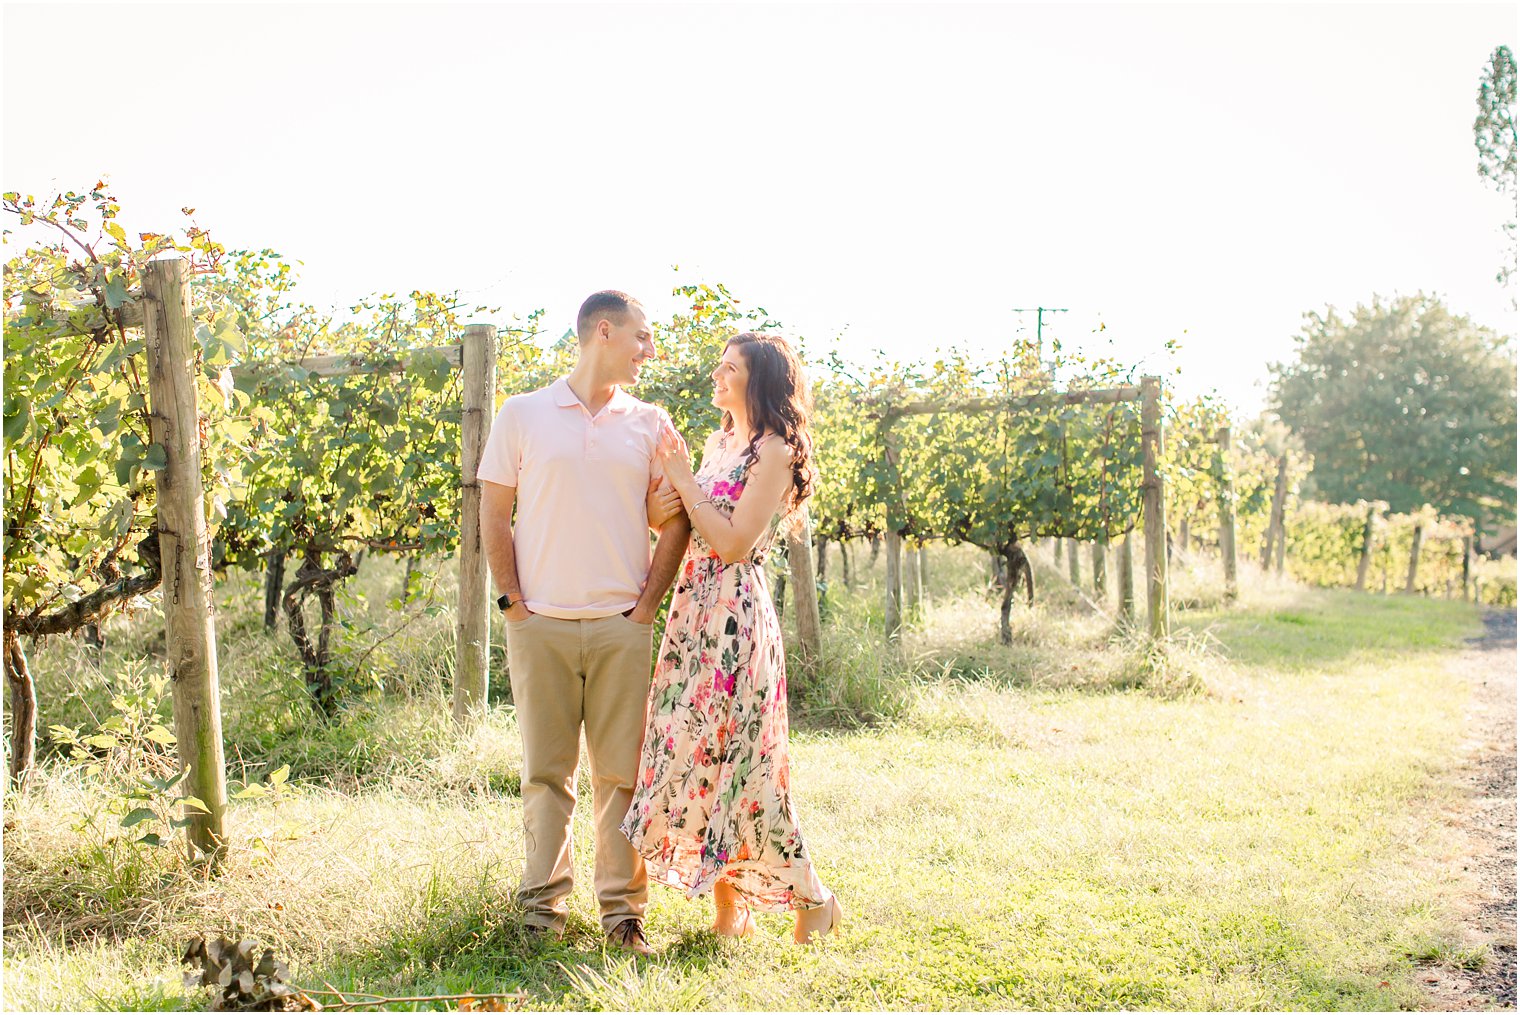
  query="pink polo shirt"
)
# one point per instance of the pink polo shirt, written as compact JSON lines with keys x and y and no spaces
{"x":582,"y":530}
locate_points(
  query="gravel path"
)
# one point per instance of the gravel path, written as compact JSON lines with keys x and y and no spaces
{"x":1487,"y":777}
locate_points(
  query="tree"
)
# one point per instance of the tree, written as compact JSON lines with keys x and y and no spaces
{"x":1407,"y":403}
{"x":1494,"y":136}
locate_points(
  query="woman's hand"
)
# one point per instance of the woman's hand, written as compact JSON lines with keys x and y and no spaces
{"x":662,"y":503}
{"x":676,"y":460}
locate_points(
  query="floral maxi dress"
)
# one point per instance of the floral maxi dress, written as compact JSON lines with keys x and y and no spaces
{"x":713,"y":799}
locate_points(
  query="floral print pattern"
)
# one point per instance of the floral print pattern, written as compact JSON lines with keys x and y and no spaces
{"x":713,"y":799}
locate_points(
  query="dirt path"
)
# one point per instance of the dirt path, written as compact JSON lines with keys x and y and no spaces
{"x":1487,"y":778}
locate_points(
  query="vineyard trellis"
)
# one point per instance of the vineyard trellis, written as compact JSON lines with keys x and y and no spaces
{"x":162,"y":310}
{"x":1153,"y":495}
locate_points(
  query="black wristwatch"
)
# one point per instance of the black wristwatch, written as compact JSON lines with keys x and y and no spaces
{"x":504,"y":601}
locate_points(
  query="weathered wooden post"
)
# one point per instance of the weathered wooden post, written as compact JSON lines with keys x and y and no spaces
{"x":472,"y":635}
{"x":1126,"y":578}
{"x":1073,"y":563}
{"x":1364,"y":562}
{"x":185,"y":549}
{"x":894,"y":591}
{"x":1467,"y":562}
{"x":799,"y":556}
{"x":1055,"y":551}
{"x":913,"y":589}
{"x":1223,"y":438}
{"x":893,"y":605}
{"x":923,"y":572}
{"x":274,"y":587}
{"x":1414,"y":556}
{"x":1100,"y":566}
{"x":1275,"y":528}
{"x":1152,"y":441}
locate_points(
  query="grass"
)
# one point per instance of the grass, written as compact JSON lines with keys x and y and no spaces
{"x":1069,"y":822}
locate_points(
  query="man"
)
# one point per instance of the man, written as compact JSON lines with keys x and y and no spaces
{"x":579,"y":591}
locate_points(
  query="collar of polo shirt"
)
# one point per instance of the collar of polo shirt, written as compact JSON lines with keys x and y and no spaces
{"x":565,"y":398}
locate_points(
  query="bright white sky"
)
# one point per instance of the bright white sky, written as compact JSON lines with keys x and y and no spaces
{"x":902,"y":175}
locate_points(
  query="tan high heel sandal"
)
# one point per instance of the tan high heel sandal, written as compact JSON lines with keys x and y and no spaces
{"x":746,"y":925}
{"x":836,"y":917}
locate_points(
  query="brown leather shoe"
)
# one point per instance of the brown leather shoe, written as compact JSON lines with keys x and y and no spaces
{"x":629,"y":935}
{"x":541,"y":935}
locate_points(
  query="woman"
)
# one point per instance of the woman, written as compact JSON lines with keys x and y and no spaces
{"x":713,"y":808}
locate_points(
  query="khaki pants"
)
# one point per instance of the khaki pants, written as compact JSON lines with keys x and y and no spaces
{"x":564,"y":673}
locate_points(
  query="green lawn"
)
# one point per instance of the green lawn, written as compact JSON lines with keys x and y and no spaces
{"x":1021,"y":834}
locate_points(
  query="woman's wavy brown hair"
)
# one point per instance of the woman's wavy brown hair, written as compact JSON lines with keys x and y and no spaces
{"x":780,"y":402}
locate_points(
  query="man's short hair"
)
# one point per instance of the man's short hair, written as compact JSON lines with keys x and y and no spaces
{"x":609,"y":304}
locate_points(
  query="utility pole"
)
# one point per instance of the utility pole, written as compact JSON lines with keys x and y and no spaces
{"x":1039,"y":322}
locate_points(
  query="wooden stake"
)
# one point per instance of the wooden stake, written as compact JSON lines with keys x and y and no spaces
{"x":1100,"y":567}
{"x":1073,"y":563}
{"x":913,"y":588}
{"x":1414,"y":556}
{"x":894,"y":591}
{"x":185,"y":548}
{"x":1152,"y":441}
{"x":1279,"y":521}
{"x":472,"y":634}
{"x":1364,"y":562}
{"x":274,"y":587}
{"x":1467,"y":562}
{"x":799,"y":554}
{"x":1227,"y":553}
{"x":1126,"y":578}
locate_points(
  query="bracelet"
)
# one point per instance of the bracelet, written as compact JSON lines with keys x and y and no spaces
{"x":704,"y":500}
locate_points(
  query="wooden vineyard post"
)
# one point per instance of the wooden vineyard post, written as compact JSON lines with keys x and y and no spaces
{"x":1364,"y":562}
{"x":893,"y":611}
{"x":893,"y":604}
{"x":1414,"y":556}
{"x":1227,"y":514}
{"x":185,"y":549}
{"x":912,"y":582}
{"x":923,"y":571}
{"x":1055,"y":551}
{"x":274,"y":587}
{"x":1126,"y":578}
{"x":799,"y":556}
{"x":1100,"y":566}
{"x":1073,"y":563}
{"x":1275,"y":523}
{"x":472,"y":635}
{"x":1467,"y":562}
{"x":1151,"y":442}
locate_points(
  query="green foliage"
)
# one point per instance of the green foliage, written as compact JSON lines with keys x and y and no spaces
{"x":80,"y":461}
{"x":1494,"y":136}
{"x":689,"y":347}
{"x":1325,"y":547}
{"x":130,"y":753}
{"x":1022,"y":463}
{"x":365,"y":459}
{"x":1404,"y":402}
{"x":1192,"y":463}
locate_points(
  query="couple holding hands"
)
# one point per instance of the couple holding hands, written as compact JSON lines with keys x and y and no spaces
{"x":689,"y":767}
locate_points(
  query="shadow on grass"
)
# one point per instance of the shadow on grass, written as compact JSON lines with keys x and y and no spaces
{"x":474,"y":949}
{"x":1328,"y":626}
